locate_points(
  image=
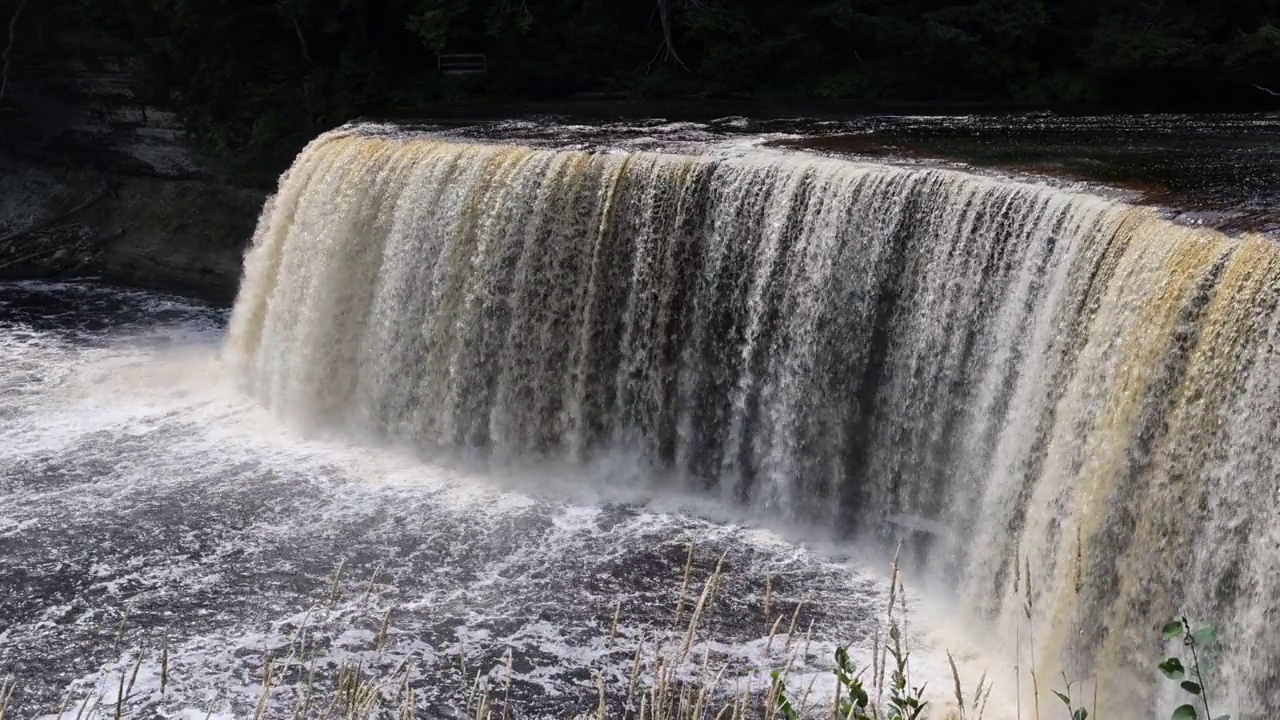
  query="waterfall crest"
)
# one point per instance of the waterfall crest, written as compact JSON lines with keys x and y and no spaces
{"x":1053,"y":378}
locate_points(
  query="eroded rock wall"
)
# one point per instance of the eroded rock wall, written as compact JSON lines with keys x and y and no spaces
{"x":96,"y":182}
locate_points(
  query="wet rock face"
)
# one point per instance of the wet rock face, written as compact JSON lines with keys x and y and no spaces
{"x":79,"y":105}
{"x":93,"y":181}
{"x":184,"y":236}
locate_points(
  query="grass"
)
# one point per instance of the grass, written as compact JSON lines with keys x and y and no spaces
{"x":665,"y":678}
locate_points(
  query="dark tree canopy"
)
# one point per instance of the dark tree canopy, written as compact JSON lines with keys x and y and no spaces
{"x":255,"y":74}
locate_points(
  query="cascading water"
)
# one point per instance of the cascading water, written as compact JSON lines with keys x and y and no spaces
{"x":1052,"y":383}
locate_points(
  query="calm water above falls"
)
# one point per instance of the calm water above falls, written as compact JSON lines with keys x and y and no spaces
{"x":1221,"y":171}
{"x":1004,"y":374}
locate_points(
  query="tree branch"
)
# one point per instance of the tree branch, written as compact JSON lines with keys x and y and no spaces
{"x":48,"y":222}
{"x":667,"y":46}
{"x":297,"y":29}
{"x":1267,"y":91}
{"x":13,"y":24}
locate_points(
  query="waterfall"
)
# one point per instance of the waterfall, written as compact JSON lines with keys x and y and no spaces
{"x":1047,"y":380}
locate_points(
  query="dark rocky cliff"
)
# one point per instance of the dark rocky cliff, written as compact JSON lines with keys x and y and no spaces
{"x":94,"y":182}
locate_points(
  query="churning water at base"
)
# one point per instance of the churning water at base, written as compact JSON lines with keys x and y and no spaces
{"x":135,"y":478}
{"x":1048,"y":383}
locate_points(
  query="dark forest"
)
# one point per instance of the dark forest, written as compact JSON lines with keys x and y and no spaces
{"x":249,"y":75}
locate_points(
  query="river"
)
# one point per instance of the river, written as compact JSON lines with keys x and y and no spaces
{"x":500,"y":398}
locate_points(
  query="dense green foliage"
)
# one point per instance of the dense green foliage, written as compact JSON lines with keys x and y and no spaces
{"x":261,"y":74}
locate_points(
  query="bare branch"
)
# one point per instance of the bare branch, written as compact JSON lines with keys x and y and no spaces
{"x":297,"y":29}
{"x":13,"y":24}
{"x":667,"y":49}
{"x":1267,"y":91}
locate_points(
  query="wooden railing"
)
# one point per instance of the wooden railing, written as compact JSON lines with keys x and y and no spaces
{"x":463,"y":63}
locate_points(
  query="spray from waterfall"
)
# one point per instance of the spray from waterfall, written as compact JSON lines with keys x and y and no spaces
{"x":1021,"y":371}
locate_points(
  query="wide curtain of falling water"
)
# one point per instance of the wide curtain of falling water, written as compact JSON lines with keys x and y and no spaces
{"x":1047,"y":382}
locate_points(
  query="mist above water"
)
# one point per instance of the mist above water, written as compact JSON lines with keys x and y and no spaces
{"x":1018,"y":374}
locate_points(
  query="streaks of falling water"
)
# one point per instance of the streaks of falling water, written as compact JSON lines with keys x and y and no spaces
{"x":1053,"y":378}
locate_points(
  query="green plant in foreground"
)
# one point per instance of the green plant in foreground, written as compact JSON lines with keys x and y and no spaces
{"x":782,"y":703}
{"x":1174,"y":669}
{"x":852,"y":699}
{"x":853,"y":707}
{"x":1077,"y":713}
{"x":853,"y":702}
{"x":905,"y":703}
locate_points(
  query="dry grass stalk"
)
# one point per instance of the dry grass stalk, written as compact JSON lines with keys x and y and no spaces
{"x":164,"y":666}
{"x":1031,"y":639}
{"x":62,"y":709}
{"x":877,"y":667}
{"x":84,"y":706}
{"x":808,"y":691}
{"x":506,"y":689}
{"x":613,"y":627}
{"x":704,"y":696}
{"x":955,"y":676}
{"x":635,"y":673}
{"x":697,"y":610}
{"x":835,"y":703}
{"x":791,"y":629}
{"x":369,"y":588}
{"x":264,"y":699}
{"x":906,"y":649}
{"x":773,"y":632}
{"x":125,"y":690}
{"x":1079,"y":562}
{"x":7,"y":688}
{"x":473,"y":691}
{"x":408,"y":703}
{"x":684,"y":584}
{"x":380,"y":640}
{"x":978,"y":694}
{"x":333,"y":585}
{"x":678,"y":687}
{"x":124,"y":622}
{"x":133,"y":676}
{"x":768,"y":594}
{"x":309,"y":691}
{"x":120,"y":697}
{"x":1017,"y":636}
{"x":483,"y":711}
{"x":602,"y":707}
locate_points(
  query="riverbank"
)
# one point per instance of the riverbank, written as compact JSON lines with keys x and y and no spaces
{"x":96,"y":182}
{"x":180,"y":235}
{"x":128,"y":201}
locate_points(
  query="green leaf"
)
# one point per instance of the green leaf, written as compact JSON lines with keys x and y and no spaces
{"x":860,"y":697}
{"x":1065,"y":700}
{"x":1172,"y":669}
{"x":1204,"y":636}
{"x":1191,"y":687}
{"x":1184,"y":712}
{"x":1080,"y":714}
{"x":1172,"y":629}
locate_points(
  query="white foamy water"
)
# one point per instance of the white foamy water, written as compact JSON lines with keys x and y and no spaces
{"x":1063,"y":400}
{"x":476,"y":397}
{"x":136,"y":477}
